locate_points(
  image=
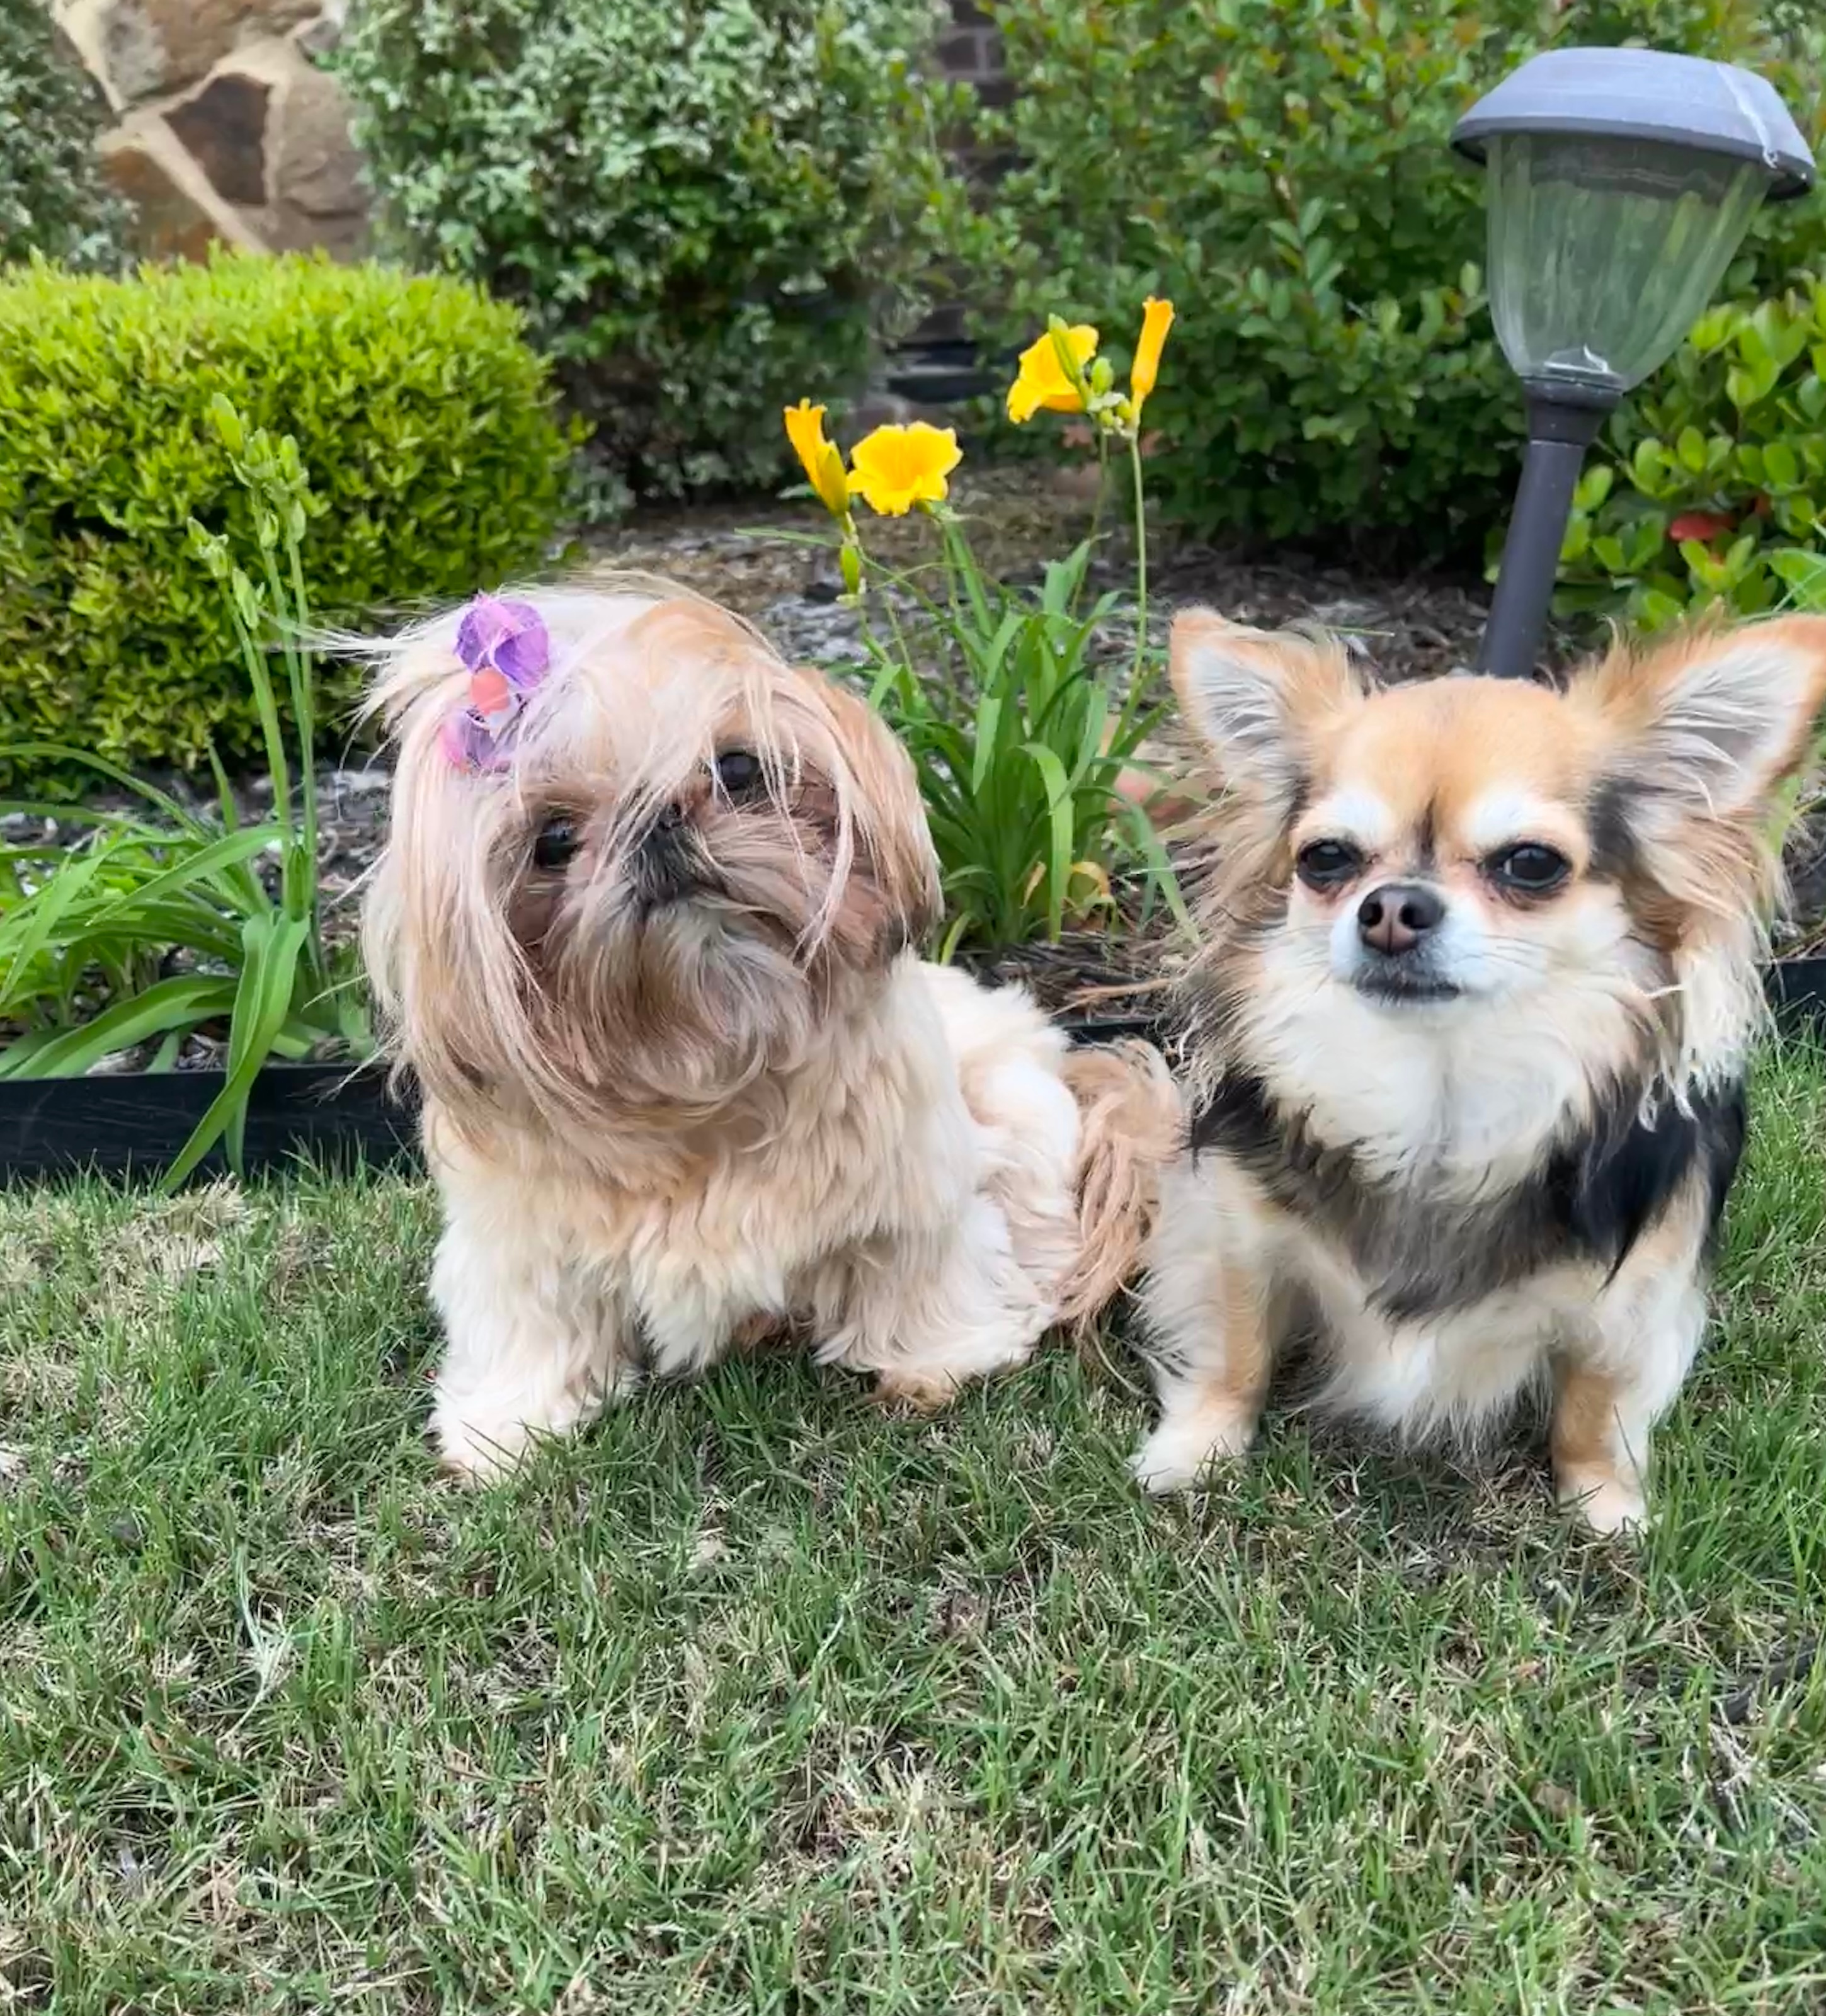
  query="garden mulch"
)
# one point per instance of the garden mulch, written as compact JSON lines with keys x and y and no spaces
{"x":1021,"y":516}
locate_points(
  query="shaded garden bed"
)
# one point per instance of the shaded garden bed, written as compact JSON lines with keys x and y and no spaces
{"x":1098,"y":983}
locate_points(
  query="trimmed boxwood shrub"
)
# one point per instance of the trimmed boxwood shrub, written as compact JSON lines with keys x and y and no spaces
{"x":436,"y":468}
{"x":708,"y":211}
{"x":53,"y":198}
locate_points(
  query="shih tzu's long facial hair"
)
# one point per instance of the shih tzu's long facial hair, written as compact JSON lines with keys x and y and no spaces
{"x":696,"y":858}
{"x":1448,"y":922}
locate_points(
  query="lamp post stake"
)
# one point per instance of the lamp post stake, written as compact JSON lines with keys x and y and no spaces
{"x":1562,"y":423}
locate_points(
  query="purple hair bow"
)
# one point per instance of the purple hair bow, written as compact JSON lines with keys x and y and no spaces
{"x":507,"y":651}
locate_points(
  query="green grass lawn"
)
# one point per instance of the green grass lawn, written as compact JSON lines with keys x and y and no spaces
{"x":759,"y":1698}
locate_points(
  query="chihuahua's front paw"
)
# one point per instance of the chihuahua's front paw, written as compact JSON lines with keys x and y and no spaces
{"x":1180,"y":1454}
{"x":1605,"y":1502}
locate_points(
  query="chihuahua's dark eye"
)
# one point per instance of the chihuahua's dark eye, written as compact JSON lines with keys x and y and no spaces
{"x":556,"y":842}
{"x":1529,"y":870}
{"x":1323,"y":864}
{"x":739,"y":772}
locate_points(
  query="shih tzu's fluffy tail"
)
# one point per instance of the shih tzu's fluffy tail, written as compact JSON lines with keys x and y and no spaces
{"x":1131,"y":1124}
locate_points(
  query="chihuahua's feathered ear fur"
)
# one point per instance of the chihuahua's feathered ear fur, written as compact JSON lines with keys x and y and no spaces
{"x":1255,"y":700}
{"x":1693,"y":739}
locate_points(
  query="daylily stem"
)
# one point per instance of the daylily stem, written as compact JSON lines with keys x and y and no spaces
{"x":1097,"y":506}
{"x":1140,"y":562}
{"x":906,"y":663}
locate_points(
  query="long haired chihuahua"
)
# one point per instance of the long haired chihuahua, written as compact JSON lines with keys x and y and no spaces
{"x":644,"y":930}
{"x":1475,"y":989}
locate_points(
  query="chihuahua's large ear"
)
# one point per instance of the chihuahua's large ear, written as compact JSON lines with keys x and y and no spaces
{"x":1706,"y":727}
{"x":1256,"y":699}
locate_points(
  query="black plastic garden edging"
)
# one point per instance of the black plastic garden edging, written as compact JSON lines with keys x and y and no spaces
{"x":1797,"y":991}
{"x":136,"y":1123}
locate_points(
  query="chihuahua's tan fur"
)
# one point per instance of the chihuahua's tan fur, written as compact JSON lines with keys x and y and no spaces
{"x":1477,"y":984}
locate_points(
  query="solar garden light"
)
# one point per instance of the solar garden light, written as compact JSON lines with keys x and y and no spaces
{"x":1621,"y":181}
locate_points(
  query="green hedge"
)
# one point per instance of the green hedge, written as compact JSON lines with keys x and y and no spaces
{"x":53,"y":198}
{"x":426,"y":425}
{"x":1280,"y":169}
{"x":707,"y":211}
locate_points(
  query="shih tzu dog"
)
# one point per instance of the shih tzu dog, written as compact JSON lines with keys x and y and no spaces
{"x":1477,"y":981}
{"x":644,"y":929}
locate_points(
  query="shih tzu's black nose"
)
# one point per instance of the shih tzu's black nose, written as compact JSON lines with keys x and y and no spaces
{"x":1395,"y":918}
{"x":667,"y":865}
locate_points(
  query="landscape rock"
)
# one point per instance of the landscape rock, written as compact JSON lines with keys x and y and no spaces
{"x":224,"y":128}
{"x":250,"y":137}
{"x":147,"y":48}
{"x":180,"y":215}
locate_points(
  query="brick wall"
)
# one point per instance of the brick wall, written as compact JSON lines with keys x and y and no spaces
{"x":970,"y":52}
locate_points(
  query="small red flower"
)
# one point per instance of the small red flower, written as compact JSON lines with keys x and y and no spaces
{"x":1762,"y":507}
{"x":1705,"y":526}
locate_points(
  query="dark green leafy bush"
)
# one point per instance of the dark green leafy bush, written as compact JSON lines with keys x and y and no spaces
{"x":52,"y":198}
{"x":436,"y":470}
{"x":1713,"y":490}
{"x":1279,"y":168}
{"x":704,"y":210}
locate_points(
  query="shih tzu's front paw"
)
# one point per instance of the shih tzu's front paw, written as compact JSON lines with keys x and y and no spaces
{"x":925,"y":1391}
{"x":474,"y":1449}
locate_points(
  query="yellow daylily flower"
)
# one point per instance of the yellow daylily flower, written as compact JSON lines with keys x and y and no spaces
{"x":1043,"y":380}
{"x":822,"y":460}
{"x":895,"y":468}
{"x":1157,"y":319}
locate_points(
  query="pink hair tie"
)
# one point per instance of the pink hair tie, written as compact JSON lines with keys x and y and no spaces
{"x":507,"y":651}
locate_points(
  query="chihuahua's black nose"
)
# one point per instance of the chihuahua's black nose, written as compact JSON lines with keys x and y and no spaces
{"x":1395,"y":917}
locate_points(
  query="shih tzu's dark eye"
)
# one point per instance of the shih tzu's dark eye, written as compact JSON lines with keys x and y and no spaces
{"x":1529,"y":870}
{"x":557,"y":842}
{"x":739,"y":771}
{"x":1324,"y":864}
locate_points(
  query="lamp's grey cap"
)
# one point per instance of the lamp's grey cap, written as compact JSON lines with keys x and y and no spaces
{"x":1646,"y":95}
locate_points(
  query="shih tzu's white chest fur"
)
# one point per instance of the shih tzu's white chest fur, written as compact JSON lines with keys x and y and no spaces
{"x":907,"y":1198}
{"x":679,"y":1251}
